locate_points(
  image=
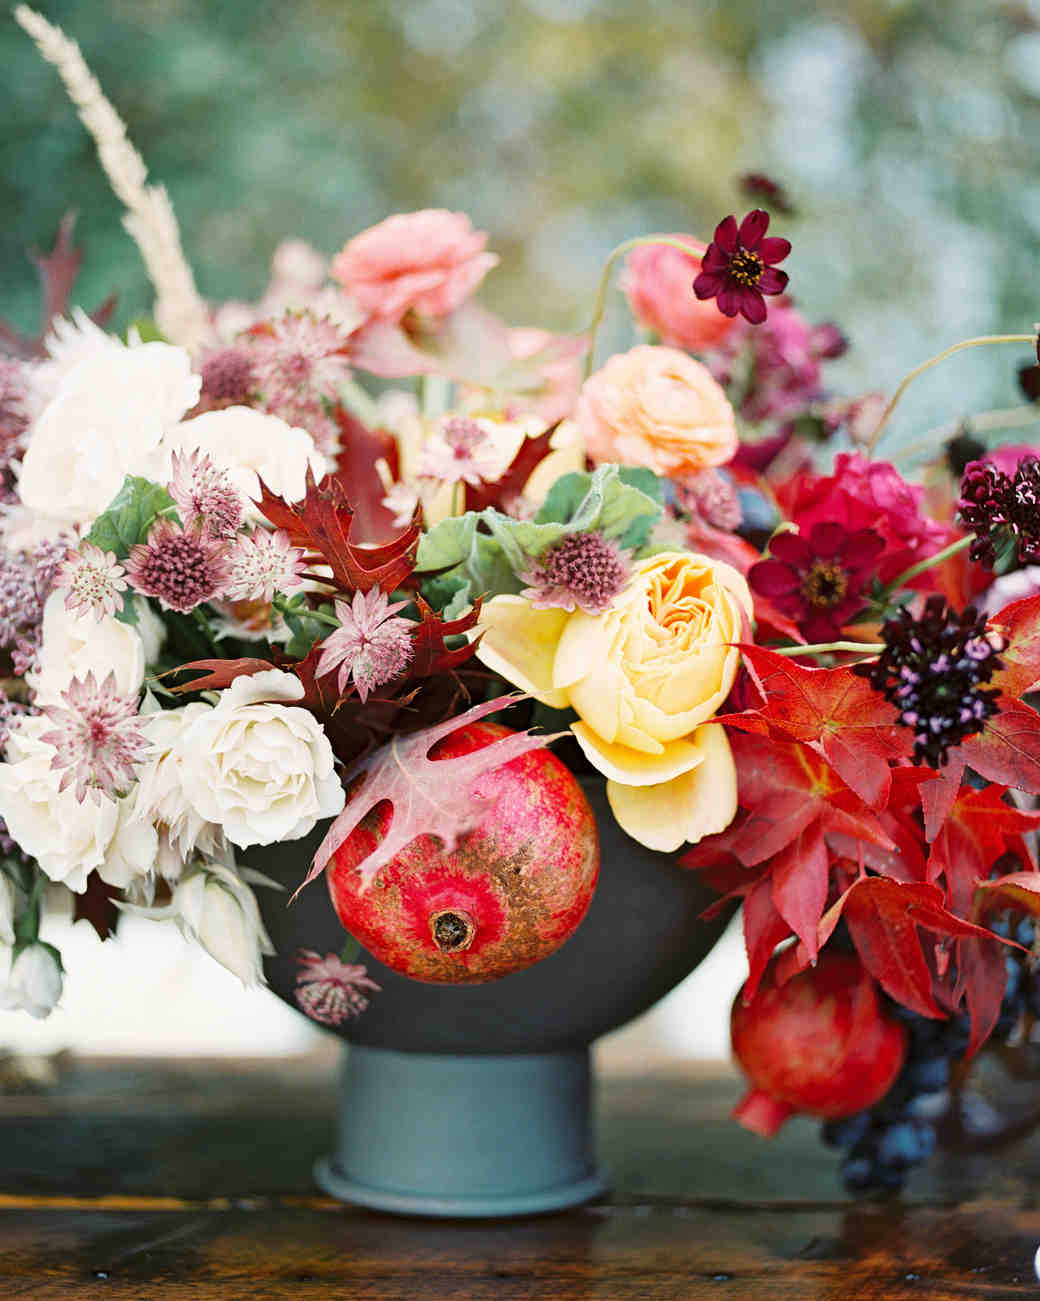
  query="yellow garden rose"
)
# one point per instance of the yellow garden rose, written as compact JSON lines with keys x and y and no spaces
{"x":644,"y":677}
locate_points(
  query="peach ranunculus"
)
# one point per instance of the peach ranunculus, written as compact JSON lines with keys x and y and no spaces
{"x":658,"y":282}
{"x":428,"y":261}
{"x":645,"y":678}
{"x":656,"y":407}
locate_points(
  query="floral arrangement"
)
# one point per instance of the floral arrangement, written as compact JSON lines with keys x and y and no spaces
{"x":243,"y":592}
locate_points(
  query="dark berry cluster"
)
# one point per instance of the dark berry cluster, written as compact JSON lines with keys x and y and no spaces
{"x":933,"y":669}
{"x":1002,"y":510}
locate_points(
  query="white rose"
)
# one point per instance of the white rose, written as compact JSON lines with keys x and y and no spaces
{"x":263,"y":771}
{"x":70,"y":342}
{"x":68,"y":839}
{"x":215,"y":907}
{"x":150,"y":628}
{"x":159,"y":797}
{"x":105,"y":421}
{"x":133,"y":850}
{"x":7,"y":903}
{"x":32,"y":982}
{"x":74,"y":645}
{"x":251,"y":446}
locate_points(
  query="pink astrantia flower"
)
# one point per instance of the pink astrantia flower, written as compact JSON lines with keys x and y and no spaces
{"x":330,"y":990}
{"x":262,"y":563}
{"x":461,"y":453}
{"x":739,"y":267}
{"x":711,"y":498}
{"x":428,"y":262}
{"x":582,"y":571}
{"x":97,"y":738}
{"x":371,"y":645}
{"x":181,"y":567}
{"x":227,"y":379}
{"x":202,"y":491}
{"x":93,"y":580}
{"x":295,"y":353}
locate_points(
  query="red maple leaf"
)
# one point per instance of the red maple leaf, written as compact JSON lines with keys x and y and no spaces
{"x":980,"y":828}
{"x":1019,"y":625}
{"x":1007,"y":750}
{"x":321,"y":525}
{"x":835,"y":712}
{"x":428,"y":797}
{"x":355,"y":472}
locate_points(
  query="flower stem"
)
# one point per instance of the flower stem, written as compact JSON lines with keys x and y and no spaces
{"x":626,"y":246}
{"x":359,"y":403}
{"x":929,"y":562}
{"x":980,"y":342}
{"x":824,"y":648}
{"x":283,"y":607}
{"x":983,"y":422}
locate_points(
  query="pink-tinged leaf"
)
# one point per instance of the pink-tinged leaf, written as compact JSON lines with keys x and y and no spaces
{"x":1007,"y":750}
{"x":981,"y":981}
{"x":883,"y":918}
{"x":429,"y":797}
{"x":836,"y":712}
{"x":1019,"y":625}
{"x":800,"y":877}
{"x":764,"y":929}
{"x":217,"y":674}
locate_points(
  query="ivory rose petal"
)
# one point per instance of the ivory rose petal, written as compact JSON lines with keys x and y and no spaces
{"x":699,"y":802}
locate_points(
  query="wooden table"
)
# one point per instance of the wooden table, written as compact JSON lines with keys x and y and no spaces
{"x":140,"y":1178}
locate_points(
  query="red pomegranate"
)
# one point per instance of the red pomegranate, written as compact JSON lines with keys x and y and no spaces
{"x":820,"y":1043}
{"x":510,"y":893}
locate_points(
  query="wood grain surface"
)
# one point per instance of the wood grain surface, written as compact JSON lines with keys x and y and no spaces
{"x":157,"y":1179}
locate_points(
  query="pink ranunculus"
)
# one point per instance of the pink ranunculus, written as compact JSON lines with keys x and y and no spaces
{"x":429,"y":262}
{"x":869,"y":494}
{"x":658,"y":282}
{"x":656,"y":407}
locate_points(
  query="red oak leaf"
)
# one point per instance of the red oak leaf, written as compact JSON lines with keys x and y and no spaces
{"x":430,"y":653}
{"x":321,"y":524}
{"x":217,"y":674}
{"x":838,"y":714}
{"x":360,"y":449}
{"x":511,"y":483}
{"x":979,"y":829}
{"x":429,"y":797}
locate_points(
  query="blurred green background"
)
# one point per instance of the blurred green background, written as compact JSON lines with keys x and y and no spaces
{"x":907,"y":133}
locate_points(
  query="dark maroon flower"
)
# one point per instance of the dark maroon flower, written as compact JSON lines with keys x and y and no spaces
{"x":933,"y":669}
{"x":757,"y":185}
{"x":1029,"y":381}
{"x":739,"y":267}
{"x":818,"y":578}
{"x":1002,"y":510}
{"x":181,"y":567}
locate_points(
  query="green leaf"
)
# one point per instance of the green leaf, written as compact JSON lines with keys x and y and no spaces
{"x":623,"y":503}
{"x":520,"y":539}
{"x":147,"y":330}
{"x":133,"y":511}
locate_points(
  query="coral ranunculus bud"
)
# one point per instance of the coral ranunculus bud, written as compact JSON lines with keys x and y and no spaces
{"x":820,"y":1043}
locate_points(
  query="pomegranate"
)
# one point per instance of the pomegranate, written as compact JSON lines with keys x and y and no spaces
{"x":820,"y":1043}
{"x":511,"y":892}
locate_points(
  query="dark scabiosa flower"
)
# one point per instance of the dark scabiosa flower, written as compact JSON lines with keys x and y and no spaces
{"x":739,"y":267}
{"x":180,"y":567}
{"x":1002,"y":510}
{"x":818,"y":578}
{"x":934,"y":670}
{"x":583,"y":571}
{"x":227,"y":379}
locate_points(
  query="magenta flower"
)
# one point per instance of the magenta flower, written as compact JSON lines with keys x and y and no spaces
{"x":371,"y":646}
{"x":180,"y":567}
{"x":582,"y":571}
{"x":819,"y":579}
{"x":97,"y":739}
{"x":739,"y":267}
{"x":262,"y":563}
{"x":93,"y":580}
{"x":203,"y":491}
{"x":330,"y":990}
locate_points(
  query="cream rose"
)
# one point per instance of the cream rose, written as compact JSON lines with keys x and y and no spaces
{"x":645,"y":678}
{"x":659,"y":408}
{"x":75,"y":645}
{"x":260,"y":769}
{"x":250,"y":446}
{"x":104,"y":422}
{"x":68,"y":839}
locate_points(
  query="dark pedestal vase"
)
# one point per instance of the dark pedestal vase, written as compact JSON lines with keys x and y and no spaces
{"x":475,"y":1099}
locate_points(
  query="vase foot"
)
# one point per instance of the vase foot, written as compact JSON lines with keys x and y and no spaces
{"x":472,"y":1136}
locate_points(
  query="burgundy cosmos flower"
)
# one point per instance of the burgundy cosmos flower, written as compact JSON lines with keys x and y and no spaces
{"x":739,"y":267}
{"x":818,"y":579}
